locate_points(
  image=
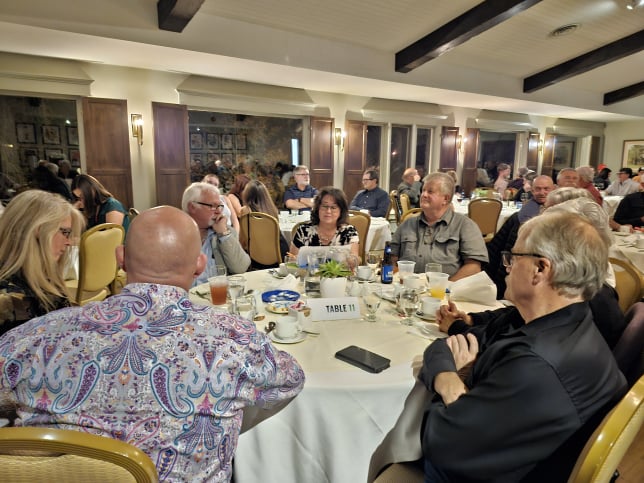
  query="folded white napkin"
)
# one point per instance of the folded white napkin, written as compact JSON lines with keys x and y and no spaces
{"x":477,"y":288}
{"x":287,"y":283}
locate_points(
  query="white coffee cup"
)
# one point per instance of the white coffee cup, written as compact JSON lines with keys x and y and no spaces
{"x":625,"y":229}
{"x":640,"y":242}
{"x":413,"y":281}
{"x":287,"y":327}
{"x":282,"y":270}
{"x":430,"y":305}
{"x":364,"y":272}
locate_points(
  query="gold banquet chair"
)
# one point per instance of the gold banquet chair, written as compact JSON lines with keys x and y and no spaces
{"x":97,"y":268}
{"x":628,"y":283}
{"x":485,"y":213}
{"x":259,"y":235}
{"x":393,"y":203}
{"x":361,"y":221}
{"x":609,"y":443}
{"x":34,"y":454}
{"x":405,"y":204}
{"x":410,"y":213}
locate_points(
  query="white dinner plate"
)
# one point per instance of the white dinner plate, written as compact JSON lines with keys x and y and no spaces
{"x":298,"y":338}
{"x":622,"y":233}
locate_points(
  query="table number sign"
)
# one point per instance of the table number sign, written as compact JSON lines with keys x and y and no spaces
{"x":336,"y":308}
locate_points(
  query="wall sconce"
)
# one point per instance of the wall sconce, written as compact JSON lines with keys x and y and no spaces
{"x":540,"y":145}
{"x":339,"y":136}
{"x":137,"y":127}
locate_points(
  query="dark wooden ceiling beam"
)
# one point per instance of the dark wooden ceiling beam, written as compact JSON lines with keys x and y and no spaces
{"x":624,"y":93}
{"x":591,"y":60}
{"x":174,"y":15}
{"x":459,"y":30}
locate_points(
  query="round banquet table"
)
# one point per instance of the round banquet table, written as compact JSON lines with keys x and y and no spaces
{"x":346,"y":424}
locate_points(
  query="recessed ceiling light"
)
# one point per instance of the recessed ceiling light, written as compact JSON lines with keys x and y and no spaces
{"x":564,"y":30}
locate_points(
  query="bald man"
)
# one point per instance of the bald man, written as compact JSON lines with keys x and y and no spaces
{"x":411,"y":186}
{"x":147,"y":366}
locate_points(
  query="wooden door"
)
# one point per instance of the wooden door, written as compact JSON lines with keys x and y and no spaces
{"x":547,"y":163}
{"x":469,"y":174}
{"x":532,"y":159}
{"x":449,"y":148}
{"x":171,"y":153}
{"x":355,"y":149}
{"x":107,"y":145}
{"x":321,"y":152}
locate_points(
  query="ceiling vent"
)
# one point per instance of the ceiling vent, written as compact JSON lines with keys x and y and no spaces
{"x":564,"y":30}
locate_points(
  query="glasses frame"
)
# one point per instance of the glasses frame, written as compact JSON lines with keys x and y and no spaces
{"x":330,"y":208}
{"x":210,"y":206}
{"x":506,"y":257}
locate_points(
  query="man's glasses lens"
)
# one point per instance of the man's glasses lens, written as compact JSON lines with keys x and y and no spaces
{"x":211,"y":206}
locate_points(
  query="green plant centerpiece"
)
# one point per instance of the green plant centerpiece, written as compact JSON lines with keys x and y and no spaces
{"x":333,"y":278}
{"x":334,"y":269}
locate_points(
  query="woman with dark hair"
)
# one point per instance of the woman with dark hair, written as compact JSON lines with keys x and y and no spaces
{"x":602,"y":180}
{"x":328,"y":225}
{"x":97,"y":204}
{"x":256,"y":198}
{"x":234,"y":196}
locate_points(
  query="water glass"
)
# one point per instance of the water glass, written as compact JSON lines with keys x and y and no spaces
{"x":405,"y":267}
{"x":409,"y":304}
{"x":372,"y":301}
{"x":291,"y":264}
{"x":373,"y":260}
{"x":433,"y":267}
{"x":247,"y":307}
{"x":236,"y":287}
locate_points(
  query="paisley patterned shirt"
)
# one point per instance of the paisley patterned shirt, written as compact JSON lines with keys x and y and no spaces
{"x":307,"y":235}
{"x":150,"y":368}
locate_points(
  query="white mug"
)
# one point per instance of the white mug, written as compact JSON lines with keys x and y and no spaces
{"x":287,"y":327}
{"x":430,"y":305}
{"x":282,"y":270}
{"x":640,"y":242}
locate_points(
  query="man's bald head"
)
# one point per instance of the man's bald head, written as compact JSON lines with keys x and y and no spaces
{"x":163,"y":246}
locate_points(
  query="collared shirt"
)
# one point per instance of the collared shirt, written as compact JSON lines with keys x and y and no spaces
{"x":412,"y":190}
{"x":630,"y":210}
{"x":147,"y":367}
{"x":530,"y":209}
{"x":450,"y":241}
{"x":623,"y":188}
{"x":531,"y":388}
{"x":294,"y":193}
{"x":376,"y":201}
{"x":225,"y":250}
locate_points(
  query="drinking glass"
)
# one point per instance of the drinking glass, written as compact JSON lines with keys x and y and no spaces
{"x":218,"y":287}
{"x":437,"y":284}
{"x":405,"y":267}
{"x":433,"y":267}
{"x":409,"y":304}
{"x":373,"y":260}
{"x":247,"y":307}
{"x":236,"y":287}
{"x":291,"y":264}
{"x":372,"y":302}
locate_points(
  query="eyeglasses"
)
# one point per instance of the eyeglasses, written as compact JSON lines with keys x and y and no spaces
{"x":66,"y":232}
{"x":508,"y":257}
{"x":329,"y":207}
{"x":367,"y":179}
{"x":210,"y":206}
{"x":302,"y":174}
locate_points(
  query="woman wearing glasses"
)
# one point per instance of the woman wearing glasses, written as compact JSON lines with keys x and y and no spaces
{"x":37,"y":227}
{"x":97,"y":204}
{"x":328,"y":225}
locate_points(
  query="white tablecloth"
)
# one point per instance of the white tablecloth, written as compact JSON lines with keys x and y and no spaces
{"x":346,"y":424}
{"x":379,"y":231}
{"x":611,"y":203}
{"x":506,"y":212}
{"x":624,"y":249}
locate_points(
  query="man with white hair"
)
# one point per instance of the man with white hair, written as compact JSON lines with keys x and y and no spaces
{"x":586,"y":177}
{"x":541,"y":374}
{"x":567,"y":178}
{"x":219,"y":242}
{"x":411,"y":186}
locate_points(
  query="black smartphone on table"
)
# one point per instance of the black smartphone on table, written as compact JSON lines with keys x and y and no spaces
{"x":362,"y":358}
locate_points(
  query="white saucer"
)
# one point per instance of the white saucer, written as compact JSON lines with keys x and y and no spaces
{"x":424,"y":316}
{"x":298,"y":338}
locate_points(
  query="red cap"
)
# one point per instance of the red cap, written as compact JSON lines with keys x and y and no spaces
{"x":601,"y":166}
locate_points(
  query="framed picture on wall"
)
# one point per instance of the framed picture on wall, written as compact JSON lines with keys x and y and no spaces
{"x":72,"y":135}
{"x":563,"y":156}
{"x":196,"y":140}
{"x":25,"y":133}
{"x":227,"y":159}
{"x":240,"y":141}
{"x":633,"y":154}
{"x":50,"y":134}
{"x":54,"y":154}
{"x":74,"y":158}
{"x":226,"y":141}
{"x":212,"y":140}
{"x":29,"y":157}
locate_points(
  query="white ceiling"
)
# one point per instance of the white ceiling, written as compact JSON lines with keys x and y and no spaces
{"x":348,"y":47}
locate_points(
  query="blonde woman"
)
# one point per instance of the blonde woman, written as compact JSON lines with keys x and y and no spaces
{"x":37,"y":228}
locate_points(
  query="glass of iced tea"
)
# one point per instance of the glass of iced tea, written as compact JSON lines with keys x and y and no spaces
{"x":218,"y":286}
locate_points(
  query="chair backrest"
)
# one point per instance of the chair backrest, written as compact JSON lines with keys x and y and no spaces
{"x":45,"y":454}
{"x":410,"y":213}
{"x":393,"y":203}
{"x":629,"y":350}
{"x":259,"y":235}
{"x":510,"y":193}
{"x":610,"y":441}
{"x":485,"y":213}
{"x":97,"y":267}
{"x":405,"y":205}
{"x":628,"y":283}
{"x":361,"y":221}
{"x":295,"y":227}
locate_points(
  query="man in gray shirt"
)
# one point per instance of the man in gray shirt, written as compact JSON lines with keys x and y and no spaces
{"x":411,"y":186}
{"x":439,"y":234}
{"x":625,"y":185}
